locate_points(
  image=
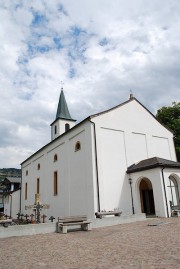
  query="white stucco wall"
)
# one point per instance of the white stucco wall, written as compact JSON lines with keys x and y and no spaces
{"x":126,"y":135}
{"x":12,"y":204}
{"x":75,"y":175}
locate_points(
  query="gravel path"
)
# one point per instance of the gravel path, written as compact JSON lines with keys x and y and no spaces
{"x":133,"y":246}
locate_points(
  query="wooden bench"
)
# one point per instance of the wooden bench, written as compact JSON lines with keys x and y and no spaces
{"x":5,"y":222}
{"x":175,"y":210}
{"x":64,"y":223}
{"x":108,"y":213}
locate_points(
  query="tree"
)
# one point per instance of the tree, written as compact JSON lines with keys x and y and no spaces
{"x":170,"y":117}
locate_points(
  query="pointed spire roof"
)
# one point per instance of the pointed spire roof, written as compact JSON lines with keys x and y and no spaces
{"x":62,"y":110}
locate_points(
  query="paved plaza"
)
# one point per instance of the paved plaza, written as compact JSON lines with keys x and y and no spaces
{"x":133,"y":246}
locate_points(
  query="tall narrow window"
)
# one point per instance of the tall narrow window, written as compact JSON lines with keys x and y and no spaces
{"x":55,"y":129}
{"x":55,"y":183}
{"x":26,"y":172}
{"x":38,"y":185}
{"x":26,"y":191}
{"x":67,"y":127}
{"x":38,"y":167}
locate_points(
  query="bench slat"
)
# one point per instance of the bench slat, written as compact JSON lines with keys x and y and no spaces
{"x":72,"y":219}
{"x":74,"y":223}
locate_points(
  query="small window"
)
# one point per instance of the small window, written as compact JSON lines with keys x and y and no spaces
{"x":55,"y":183}
{"x":39,"y":166}
{"x":26,"y":191}
{"x":55,"y":129}
{"x":38,"y":185}
{"x":67,"y":127}
{"x":77,"y":146}
{"x":26,"y":172}
{"x":55,"y":158}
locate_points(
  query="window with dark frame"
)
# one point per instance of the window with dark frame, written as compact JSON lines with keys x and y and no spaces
{"x":55,"y":157}
{"x":38,"y":185}
{"x":67,"y":127}
{"x":78,"y":146}
{"x":26,"y":191}
{"x":55,"y":183}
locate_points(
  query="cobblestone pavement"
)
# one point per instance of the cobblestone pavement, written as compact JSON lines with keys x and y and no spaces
{"x":132,"y":246}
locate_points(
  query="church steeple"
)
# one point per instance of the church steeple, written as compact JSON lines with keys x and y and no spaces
{"x":62,"y":110}
{"x":63,"y":121}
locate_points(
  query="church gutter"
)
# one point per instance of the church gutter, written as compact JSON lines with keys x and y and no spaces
{"x":96,"y":161}
{"x":162,"y":172}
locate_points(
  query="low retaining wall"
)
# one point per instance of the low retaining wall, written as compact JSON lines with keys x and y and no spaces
{"x":29,"y":229}
{"x":32,"y":229}
{"x":110,"y":221}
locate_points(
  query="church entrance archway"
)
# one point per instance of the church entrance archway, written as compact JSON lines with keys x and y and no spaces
{"x":146,"y":197}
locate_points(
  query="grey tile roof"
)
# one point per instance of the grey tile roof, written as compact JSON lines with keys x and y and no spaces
{"x":62,"y":110}
{"x":152,"y":163}
{"x":13,"y":179}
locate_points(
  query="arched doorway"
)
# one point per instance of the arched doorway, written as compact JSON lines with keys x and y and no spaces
{"x":146,"y":197}
{"x":174,"y":190}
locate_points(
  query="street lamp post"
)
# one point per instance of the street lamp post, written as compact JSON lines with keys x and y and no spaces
{"x":130,"y":183}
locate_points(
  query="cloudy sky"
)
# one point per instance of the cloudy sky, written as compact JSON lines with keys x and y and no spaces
{"x":100,"y":49}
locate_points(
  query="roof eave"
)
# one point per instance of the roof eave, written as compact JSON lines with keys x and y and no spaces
{"x":61,"y":118}
{"x":73,"y":128}
{"x":152,"y":167}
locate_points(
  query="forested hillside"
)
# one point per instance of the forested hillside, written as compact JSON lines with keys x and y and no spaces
{"x":11,"y":172}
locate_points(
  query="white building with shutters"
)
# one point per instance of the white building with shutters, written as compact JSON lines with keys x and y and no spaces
{"x":122,"y":158}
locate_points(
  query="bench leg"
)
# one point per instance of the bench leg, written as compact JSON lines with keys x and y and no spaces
{"x":86,"y":227}
{"x":63,"y":229}
{"x":57,"y":228}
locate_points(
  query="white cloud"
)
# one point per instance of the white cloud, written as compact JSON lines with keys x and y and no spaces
{"x":100,"y":49}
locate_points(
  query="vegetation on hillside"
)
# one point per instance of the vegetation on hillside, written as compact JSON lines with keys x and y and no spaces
{"x":9,"y":172}
{"x":170,"y":117}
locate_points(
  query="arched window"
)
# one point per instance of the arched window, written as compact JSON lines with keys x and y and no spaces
{"x":55,"y":158}
{"x":78,"y":146}
{"x":39,"y":166}
{"x":67,"y":127}
{"x":173,"y":190}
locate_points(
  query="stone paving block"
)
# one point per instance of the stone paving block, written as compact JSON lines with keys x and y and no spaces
{"x":126,"y":246}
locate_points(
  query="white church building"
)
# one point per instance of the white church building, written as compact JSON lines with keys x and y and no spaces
{"x":122,"y":158}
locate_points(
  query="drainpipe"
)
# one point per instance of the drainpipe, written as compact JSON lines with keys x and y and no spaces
{"x":96,"y":161}
{"x":20,"y":192}
{"x":10,"y":206}
{"x":162,"y":171}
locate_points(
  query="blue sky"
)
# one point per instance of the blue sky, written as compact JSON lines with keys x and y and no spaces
{"x":99,"y":49}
